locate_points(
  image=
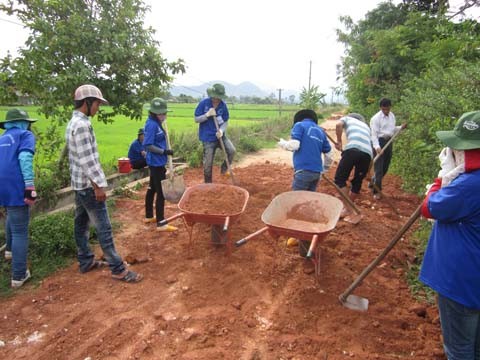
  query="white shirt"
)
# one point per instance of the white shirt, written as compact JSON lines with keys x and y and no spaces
{"x":382,"y":126}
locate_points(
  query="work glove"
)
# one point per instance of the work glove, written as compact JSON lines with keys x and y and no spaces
{"x":282,"y":143}
{"x":169,"y":152}
{"x":219,"y":133}
{"x":30,"y":195}
{"x":220,"y":120}
{"x":211,"y":112}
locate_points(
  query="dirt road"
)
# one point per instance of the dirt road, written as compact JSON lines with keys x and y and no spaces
{"x":258,"y":303}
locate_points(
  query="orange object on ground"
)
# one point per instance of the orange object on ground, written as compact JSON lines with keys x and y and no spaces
{"x":124,"y":166}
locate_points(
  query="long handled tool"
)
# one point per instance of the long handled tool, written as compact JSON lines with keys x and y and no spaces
{"x":355,"y":302}
{"x":173,"y":187}
{"x":222,"y":145}
{"x":354,"y":219}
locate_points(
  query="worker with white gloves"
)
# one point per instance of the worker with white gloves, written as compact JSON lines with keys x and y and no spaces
{"x":212,"y":116}
{"x":308,"y":142}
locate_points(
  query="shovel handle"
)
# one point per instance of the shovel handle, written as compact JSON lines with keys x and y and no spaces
{"x":246,"y":238}
{"x":342,"y":194}
{"x":313,"y":245}
{"x":376,"y":261}
{"x":222,"y":145}
{"x":167,"y":220}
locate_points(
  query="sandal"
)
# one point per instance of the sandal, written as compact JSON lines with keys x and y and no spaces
{"x":128,"y":276}
{"x":96,"y":264}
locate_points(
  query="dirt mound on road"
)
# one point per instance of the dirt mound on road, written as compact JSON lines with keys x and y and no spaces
{"x":196,"y":302}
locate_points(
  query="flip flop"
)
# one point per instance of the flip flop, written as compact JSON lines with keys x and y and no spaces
{"x":128,"y":276}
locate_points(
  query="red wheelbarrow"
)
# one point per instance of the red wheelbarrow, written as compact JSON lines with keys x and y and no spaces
{"x":303,"y":215}
{"x":219,"y":205}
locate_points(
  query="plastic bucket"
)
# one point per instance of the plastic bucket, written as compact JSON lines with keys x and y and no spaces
{"x":124,"y":165}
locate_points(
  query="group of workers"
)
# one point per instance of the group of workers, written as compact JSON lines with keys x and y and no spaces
{"x":451,"y":264}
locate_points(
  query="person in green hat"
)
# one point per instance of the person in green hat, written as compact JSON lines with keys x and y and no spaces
{"x":451,"y":264}
{"x":208,"y":111}
{"x":155,"y":143}
{"x":17,"y":188}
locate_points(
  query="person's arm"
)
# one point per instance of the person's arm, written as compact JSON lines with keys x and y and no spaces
{"x":339,"y":132}
{"x":374,"y":129}
{"x":155,"y":149}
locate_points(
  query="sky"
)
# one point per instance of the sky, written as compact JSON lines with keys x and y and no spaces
{"x":270,"y":43}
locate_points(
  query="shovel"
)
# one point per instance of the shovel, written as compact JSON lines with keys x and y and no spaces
{"x":222,"y":145}
{"x":359,"y":303}
{"x":354,"y":218}
{"x":173,"y":187}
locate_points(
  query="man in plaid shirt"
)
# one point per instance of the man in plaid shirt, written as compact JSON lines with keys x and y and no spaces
{"x":89,"y":183}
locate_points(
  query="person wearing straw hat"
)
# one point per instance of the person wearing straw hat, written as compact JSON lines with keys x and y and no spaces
{"x":136,"y":152}
{"x":207,"y":111}
{"x":155,"y":143}
{"x":17,"y":188}
{"x":451,"y":264}
{"x":89,"y":184}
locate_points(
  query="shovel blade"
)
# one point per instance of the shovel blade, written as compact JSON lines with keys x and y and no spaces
{"x":353,"y":218}
{"x":173,"y":189}
{"x":354,"y":302}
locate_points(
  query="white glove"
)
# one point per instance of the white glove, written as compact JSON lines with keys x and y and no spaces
{"x":211,"y":112}
{"x":220,"y":120}
{"x":219,"y":133}
{"x":282,"y":143}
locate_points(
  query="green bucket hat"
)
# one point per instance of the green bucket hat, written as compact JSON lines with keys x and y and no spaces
{"x":14,"y":115}
{"x":217,"y":91}
{"x":466,"y":133}
{"x":158,"y":106}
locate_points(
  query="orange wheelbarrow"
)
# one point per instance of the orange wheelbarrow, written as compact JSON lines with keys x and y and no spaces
{"x":303,"y":215}
{"x":219,"y":205}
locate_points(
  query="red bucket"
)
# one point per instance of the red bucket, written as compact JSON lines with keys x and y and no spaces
{"x":124,"y":166}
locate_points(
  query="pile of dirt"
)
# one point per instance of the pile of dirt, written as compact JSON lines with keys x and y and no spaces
{"x":197,"y":302}
{"x":210,"y":199}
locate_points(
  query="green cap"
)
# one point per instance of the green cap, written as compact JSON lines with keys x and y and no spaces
{"x":217,"y":91}
{"x":158,"y":106}
{"x":14,"y":115}
{"x":466,"y":133}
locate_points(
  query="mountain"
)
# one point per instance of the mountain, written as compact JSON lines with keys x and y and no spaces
{"x":245,"y":88}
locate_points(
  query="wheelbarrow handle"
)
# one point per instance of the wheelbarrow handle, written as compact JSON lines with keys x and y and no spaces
{"x":226,"y":224}
{"x":312,"y":247}
{"x":167,"y":220}
{"x":246,"y":238}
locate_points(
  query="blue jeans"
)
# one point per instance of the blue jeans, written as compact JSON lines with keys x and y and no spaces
{"x":461,"y":330}
{"x":16,"y":231}
{"x":209,"y":148}
{"x":305,"y":180}
{"x":88,"y":209}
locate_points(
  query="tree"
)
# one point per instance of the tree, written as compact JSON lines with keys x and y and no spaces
{"x":311,"y":98}
{"x":73,"y":42}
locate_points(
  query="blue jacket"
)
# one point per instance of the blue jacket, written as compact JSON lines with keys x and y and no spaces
{"x":451,"y":264}
{"x":154,"y":135}
{"x":313,"y":142}
{"x":207,"y":129}
{"x":135,"y":151}
{"x":12,"y":185}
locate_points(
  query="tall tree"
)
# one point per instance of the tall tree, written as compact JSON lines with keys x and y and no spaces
{"x":72,"y":42}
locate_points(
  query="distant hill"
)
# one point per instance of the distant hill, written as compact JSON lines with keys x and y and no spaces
{"x":245,"y":88}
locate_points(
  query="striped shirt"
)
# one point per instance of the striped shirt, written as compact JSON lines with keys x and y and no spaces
{"x":83,"y":153}
{"x":358,"y":135}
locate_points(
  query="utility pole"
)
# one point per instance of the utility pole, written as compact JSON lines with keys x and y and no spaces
{"x":310,"y":76}
{"x":279,"y":102}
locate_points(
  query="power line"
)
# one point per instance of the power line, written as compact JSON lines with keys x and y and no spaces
{"x":12,"y":22}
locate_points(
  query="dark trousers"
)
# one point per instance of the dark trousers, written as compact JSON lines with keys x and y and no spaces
{"x":157,"y":174}
{"x":352,"y":158}
{"x":138,"y":164}
{"x":382,"y":164}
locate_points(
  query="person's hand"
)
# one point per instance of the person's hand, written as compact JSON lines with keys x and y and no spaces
{"x":219,"y":133}
{"x":144,"y":153}
{"x":100,"y":194}
{"x":378,"y":150}
{"x":403,"y":126}
{"x":169,"y":152}
{"x":211,"y":112}
{"x":338,"y":145}
{"x":30,"y":195}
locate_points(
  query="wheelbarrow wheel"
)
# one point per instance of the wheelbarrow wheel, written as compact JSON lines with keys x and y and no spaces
{"x":303,"y":246}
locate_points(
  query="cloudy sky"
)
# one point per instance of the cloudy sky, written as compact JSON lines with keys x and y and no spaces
{"x":267,"y":42}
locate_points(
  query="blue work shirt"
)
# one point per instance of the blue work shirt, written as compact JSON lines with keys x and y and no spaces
{"x":12,"y":186}
{"x":135,"y":151}
{"x":154,"y":135}
{"x":313,"y":142}
{"x":207,"y":129}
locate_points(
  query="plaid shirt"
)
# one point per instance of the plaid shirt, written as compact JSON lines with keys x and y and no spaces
{"x":83,"y":153}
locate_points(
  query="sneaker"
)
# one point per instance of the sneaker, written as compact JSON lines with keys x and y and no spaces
{"x":149,"y":220}
{"x":8,"y":255}
{"x":292,"y":242}
{"x":19,"y":283}
{"x":166,"y":228}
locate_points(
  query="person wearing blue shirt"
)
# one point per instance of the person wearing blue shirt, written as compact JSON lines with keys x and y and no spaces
{"x":137,"y":153}
{"x":17,"y":188}
{"x":308,"y":142}
{"x":155,"y":143}
{"x":209,"y":109}
{"x":451,"y":264}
